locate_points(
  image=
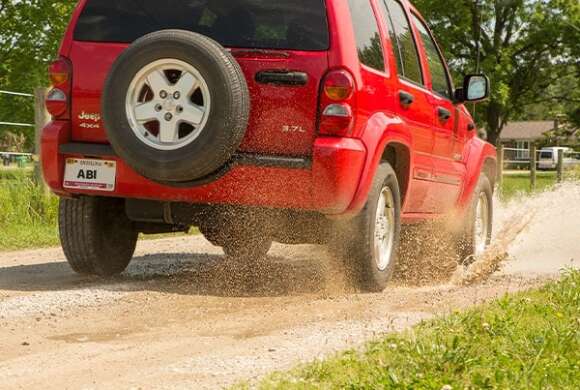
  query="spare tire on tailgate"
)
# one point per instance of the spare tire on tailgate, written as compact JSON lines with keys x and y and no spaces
{"x":176,"y":106}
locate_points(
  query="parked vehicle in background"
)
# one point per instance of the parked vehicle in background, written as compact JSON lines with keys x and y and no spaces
{"x":548,"y":159}
{"x":298,"y":121}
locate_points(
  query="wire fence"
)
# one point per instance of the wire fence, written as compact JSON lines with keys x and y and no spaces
{"x":8,"y":158}
{"x":21,"y":94}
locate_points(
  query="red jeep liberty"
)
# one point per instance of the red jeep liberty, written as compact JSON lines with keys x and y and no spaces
{"x":326,"y":122}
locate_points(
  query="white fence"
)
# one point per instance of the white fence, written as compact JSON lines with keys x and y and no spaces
{"x":521,"y":158}
{"x":532,"y":160}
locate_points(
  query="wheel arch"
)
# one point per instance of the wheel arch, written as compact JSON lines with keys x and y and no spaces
{"x":490,"y":170}
{"x":399,"y":156}
{"x":481,"y":158}
{"x":386,"y":138}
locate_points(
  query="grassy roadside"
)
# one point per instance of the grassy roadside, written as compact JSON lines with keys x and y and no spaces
{"x":518,"y":183}
{"x":526,"y":341}
{"x":27,"y":214}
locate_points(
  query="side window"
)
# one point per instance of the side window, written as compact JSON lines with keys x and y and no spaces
{"x":441,"y":83}
{"x":366,"y":30}
{"x":394,"y":41}
{"x":408,"y":57}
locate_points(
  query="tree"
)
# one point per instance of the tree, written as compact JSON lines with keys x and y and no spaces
{"x":30,"y":31}
{"x":526,"y":46}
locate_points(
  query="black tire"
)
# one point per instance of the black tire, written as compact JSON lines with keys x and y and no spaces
{"x":355,"y":240}
{"x":466,"y":242}
{"x":226,"y":124}
{"x":96,"y":236}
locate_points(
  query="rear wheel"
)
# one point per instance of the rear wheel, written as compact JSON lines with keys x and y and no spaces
{"x":369,"y":243}
{"x":96,"y":235}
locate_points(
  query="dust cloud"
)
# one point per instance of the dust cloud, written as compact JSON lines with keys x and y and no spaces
{"x":427,"y":255}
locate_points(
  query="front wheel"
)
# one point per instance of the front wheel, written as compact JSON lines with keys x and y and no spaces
{"x":96,"y":235}
{"x":371,"y":240}
{"x":477,"y":231}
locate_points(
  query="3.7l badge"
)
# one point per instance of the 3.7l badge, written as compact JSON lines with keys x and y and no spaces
{"x":293,"y":129}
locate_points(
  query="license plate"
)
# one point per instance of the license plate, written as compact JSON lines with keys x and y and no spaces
{"x":83,"y":174}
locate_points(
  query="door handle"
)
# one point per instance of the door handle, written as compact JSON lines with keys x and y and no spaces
{"x":444,"y":114}
{"x":406,"y":98}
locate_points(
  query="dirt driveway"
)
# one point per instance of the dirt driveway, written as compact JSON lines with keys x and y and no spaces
{"x":181,"y":317}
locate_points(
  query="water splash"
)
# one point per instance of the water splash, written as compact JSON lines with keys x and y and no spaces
{"x":544,"y":221}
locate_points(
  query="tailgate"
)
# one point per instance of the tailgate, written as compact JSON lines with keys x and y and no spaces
{"x":286,"y":36}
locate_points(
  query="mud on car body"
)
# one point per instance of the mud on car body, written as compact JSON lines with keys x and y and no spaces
{"x":298,"y":121}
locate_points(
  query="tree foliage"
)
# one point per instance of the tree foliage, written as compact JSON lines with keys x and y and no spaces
{"x":526,"y":46}
{"x":30,"y":32}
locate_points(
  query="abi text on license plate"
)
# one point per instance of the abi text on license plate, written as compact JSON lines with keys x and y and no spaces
{"x":83,"y":174}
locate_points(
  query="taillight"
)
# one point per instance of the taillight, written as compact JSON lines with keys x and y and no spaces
{"x":58,"y":98}
{"x":336,"y":104}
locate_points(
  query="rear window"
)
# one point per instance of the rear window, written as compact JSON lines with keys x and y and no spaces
{"x":546,"y":155}
{"x":261,"y":24}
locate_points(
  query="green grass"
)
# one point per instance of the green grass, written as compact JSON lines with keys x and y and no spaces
{"x":526,"y":341}
{"x":28,"y":214}
{"x":519,"y":183}
{"x":13,"y":173}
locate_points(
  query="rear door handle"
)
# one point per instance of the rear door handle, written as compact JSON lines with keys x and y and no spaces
{"x":406,"y":98}
{"x":282,"y":77}
{"x":444,"y":114}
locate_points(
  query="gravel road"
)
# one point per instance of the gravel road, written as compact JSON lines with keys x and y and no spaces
{"x":181,"y":317}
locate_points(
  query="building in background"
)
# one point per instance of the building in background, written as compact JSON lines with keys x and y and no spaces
{"x":521,"y":135}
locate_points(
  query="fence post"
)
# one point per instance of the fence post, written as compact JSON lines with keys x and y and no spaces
{"x":500,"y":166}
{"x":560,"y":166}
{"x":41,"y":118}
{"x":533,"y":165}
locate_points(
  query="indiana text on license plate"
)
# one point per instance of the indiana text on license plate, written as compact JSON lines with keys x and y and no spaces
{"x":95,"y":175}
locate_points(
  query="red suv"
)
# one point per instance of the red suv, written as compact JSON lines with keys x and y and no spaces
{"x":296,"y":121}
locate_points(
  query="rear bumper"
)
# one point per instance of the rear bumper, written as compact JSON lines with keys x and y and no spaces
{"x":326,"y":182}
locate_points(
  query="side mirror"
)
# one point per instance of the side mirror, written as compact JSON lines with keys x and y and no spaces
{"x":475,"y":89}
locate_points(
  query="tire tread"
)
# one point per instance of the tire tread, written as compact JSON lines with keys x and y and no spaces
{"x":84,"y":226}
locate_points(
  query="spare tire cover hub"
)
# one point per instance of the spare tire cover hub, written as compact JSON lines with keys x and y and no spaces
{"x":168,"y":104}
